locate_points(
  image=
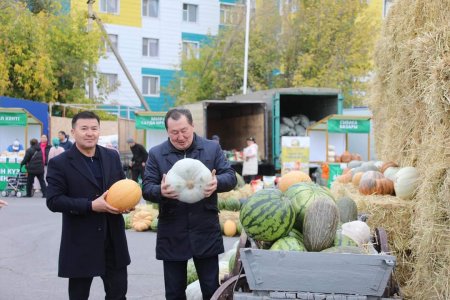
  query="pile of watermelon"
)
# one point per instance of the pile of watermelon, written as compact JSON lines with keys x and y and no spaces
{"x":306,"y":217}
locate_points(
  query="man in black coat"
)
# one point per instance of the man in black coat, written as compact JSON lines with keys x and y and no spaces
{"x":138,"y":160}
{"x":93,"y":241}
{"x":187,"y":230}
{"x":34,"y":162}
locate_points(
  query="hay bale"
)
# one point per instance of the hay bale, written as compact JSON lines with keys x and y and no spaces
{"x":410,"y":100}
{"x":391,"y":213}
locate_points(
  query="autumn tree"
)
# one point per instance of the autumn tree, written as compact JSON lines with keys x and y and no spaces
{"x":44,"y":56}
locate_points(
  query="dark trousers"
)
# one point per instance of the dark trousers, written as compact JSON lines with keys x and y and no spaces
{"x":175,"y":277}
{"x":249,"y":178}
{"x":114,"y":282}
{"x":136,"y":171}
{"x":30,"y":181}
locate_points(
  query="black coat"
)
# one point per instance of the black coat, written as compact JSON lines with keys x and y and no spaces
{"x":187,"y":230}
{"x":71,"y":187}
{"x":140,"y":155}
{"x":34,"y":166}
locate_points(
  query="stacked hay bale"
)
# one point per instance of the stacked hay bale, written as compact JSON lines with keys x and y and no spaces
{"x":410,"y":101}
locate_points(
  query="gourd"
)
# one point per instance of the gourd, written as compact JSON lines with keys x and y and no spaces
{"x":406,"y":182}
{"x":357,"y":178}
{"x":368,"y":183}
{"x":391,"y":172}
{"x":141,"y":220}
{"x":189,"y":177}
{"x":348,"y":210}
{"x":124,"y":194}
{"x":388,"y":164}
{"x":292,"y":178}
{"x":384,"y":186}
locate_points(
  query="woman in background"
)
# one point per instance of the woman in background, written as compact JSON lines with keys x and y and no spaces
{"x":250,"y":165}
{"x":55,"y":150}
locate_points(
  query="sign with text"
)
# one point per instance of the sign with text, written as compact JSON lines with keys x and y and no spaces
{"x":7,"y":170}
{"x":13,"y":119}
{"x":294,"y":154}
{"x":150,"y":122}
{"x":348,"y":126}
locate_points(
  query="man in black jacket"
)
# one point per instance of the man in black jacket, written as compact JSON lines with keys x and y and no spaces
{"x":138,"y":160}
{"x":34,"y":162}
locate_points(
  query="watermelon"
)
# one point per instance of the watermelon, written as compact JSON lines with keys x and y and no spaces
{"x":301,"y":195}
{"x":232,"y":204}
{"x":127,"y":219}
{"x":267,"y":216}
{"x":239,"y":181}
{"x":231,"y":262}
{"x":191,"y":272}
{"x":348,"y":211}
{"x":320,"y":224}
{"x":288,"y":243}
{"x":343,"y":240}
{"x":297,"y":234}
{"x":238,"y":227}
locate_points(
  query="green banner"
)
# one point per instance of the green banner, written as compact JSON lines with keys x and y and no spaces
{"x":7,"y":170}
{"x":13,"y":119}
{"x":348,"y":126}
{"x":150,"y":122}
{"x":335,"y":171}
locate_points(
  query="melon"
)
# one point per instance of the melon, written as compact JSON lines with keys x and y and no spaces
{"x":348,"y":211}
{"x":343,"y":240}
{"x":296,"y":234}
{"x":267,"y":215}
{"x":154,"y":224}
{"x":288,"y":243}
{"x":320,"y":224}
{"x":229,"y":228}
{"x":231,"y":262}
{"x":344,"y":249}
{"x":301,"y":195}
{"x":127,"y":220}
{"x":292,"y":178}
{"x":124,"y":194}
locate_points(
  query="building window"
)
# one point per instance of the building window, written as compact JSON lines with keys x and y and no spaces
{"x":150,"y":47}
{"x":228,"y":14}
{"x":191,"y":49}
{"x":150,"y":85}
{"x":107,"y":83}
{"x":150,"y":8}
{"x":109,"y":6}
{"x":114,"y":38}
{"x":190,"y":12}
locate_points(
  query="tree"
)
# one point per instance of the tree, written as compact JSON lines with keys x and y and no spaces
{"x":45,"y":56}
{"x":320,"y":43}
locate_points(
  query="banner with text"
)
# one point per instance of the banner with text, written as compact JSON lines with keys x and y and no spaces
{"x":348,"y":126}
{"x":150,"y":122}
{"x":13,"y":119}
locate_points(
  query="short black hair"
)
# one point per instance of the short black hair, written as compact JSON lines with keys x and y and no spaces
{"x":84,"y":115}
{"x":62,"y":132}
{"x":33,"y":142}
{"x":176,"y":113}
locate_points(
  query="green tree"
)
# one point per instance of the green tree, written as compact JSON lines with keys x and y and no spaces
{"x":45,"y":56}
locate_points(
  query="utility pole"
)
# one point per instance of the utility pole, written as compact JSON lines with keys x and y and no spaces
{"x":91,"y":67}
{"x":247,"y":27}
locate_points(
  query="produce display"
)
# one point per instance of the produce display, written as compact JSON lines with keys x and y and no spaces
{"x":124,"y":194}
{"x":292,"y":178}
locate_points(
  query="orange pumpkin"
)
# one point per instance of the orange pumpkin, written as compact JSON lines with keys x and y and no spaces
{"x":356,"y":156}
{"x":292,"y":178}
{"x":346,"y":157}
{"x":345,"y":178}
{"x":124,"y":194}
{"x":357,"y":178}
{"x":229,"y":228}
{"x":368,"y":182}
{"x":384,"y":186}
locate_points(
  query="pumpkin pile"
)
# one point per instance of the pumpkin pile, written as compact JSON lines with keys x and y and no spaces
{"x":381,"y":178}
{"x":143,"y":218}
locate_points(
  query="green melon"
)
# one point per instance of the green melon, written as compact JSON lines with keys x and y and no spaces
{"x":191,"y":272}
{"x":239,"y":182}
{"x":343,"y":240}
{"x":231,"y":262}
{"x":320,"y":224}
{"x":154,"y":225}
{"x":344,"y":249}
{"x":232,"y":204}
{"x":288,"y":243}
{"x":127,"y":219}
{"x":348,"y":211}
{"x":267,"y":215}
{"x":302,"y":195}
{"x":238,"y":227}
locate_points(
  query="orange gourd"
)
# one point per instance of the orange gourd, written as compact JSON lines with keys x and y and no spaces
{"x":292,"y":178}
{"x":368,"y":182}
{"x":124,"y":194}
{"x":229,"y":228}
{"x":357,"y":178}
{"x":388,"y":165}
{"x":345,"y":178}
{"x":346,"y":157}
{"x":384,"y":186}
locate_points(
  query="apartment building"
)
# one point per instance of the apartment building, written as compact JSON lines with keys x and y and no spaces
{"x":151,"y":36}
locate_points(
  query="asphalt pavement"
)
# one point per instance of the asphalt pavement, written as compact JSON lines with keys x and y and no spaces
{"x":29,"y":246}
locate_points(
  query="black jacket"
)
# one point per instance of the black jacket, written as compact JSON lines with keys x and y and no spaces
{"x":187,"y":230}
{"x":71,"y":187}
{"x":66,"y":144}
{"x":33,"y":160}
{"x":140,"y":155}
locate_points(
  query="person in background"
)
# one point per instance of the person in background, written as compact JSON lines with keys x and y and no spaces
{"x":187,"y":230}
{"x":55,"y":149}
{"x":93,"y":240}
{"x":137,"y":163}
{"x":35,"y":167}
{"x":16,"y":146}
{"x":250,"y":164}
{"x":64,"y":140}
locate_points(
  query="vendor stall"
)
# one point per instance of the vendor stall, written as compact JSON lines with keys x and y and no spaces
{"x":15,"y":123}
{"x":153,"y":125}
{"x":329,"y":138}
